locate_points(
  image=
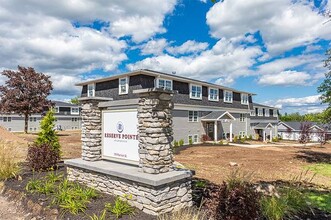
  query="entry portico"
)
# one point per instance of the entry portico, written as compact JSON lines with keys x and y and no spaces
{"x":262,"y":128}
{"x":219,"y":116}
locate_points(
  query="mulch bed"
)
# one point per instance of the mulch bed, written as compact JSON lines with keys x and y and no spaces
{"x":39,"y":205}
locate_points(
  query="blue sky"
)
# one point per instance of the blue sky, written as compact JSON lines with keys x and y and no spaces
{"x":274,"y":48}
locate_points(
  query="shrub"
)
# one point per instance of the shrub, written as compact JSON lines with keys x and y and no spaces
{"x":181,"y":142}
{"x":273,"y":208}
{"x":42,"y":157}
{"x":176,"y":144}
{"x":205,"y":138}
{"x":190,"y":141}
{"x":235,"y":139}
{"x":48,"y":135}
{"x":8,"y":166}
{"x":275,"y":139}
{"x":221,"y":142}
{"x":120,"y":208}
{"x":250,"y":137}
{"x":240,"y":201}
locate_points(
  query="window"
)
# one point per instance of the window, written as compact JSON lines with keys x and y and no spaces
{"x":8,"y":129}
{"x":228,"y":96}
{"x":196,"y":92}
{"x":267,"y":113}
{"x":164,"y":84}
{"x":213,"y":94}
{"x":196,"y":138}
{"x":242,"y":118}
{"x":33,"y":119}
{"x":74,"y":119}
{"x":244,"y":99}
{"x":192,"y":116}
{"x":57,"y":109}
{"x":242,"y":134}
{"x":90,"y":90}
{"x":123,"y":85}
{"x":275,"y":113}
{"x":190,"y":139}
{"x":74,"y":110}
{"x":260,"y":112}
{"x":253,"y":113}
{"x":6,"y":119}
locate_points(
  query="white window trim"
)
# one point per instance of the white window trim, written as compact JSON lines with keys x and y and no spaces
{"x":275,"y":113}
{"x":267,"y":112}
{"x":209,"y":98}
{"x":225,"y":91}
{"x":57,"y":109}
{"x":194,"y":138}
{"x":258,"y":112}
{"x":74,"y":113}
{"x":126,"y":86}
{"x":244,"y":118}
{"x":93,"y":91}
{"x":191,"y":97}
{"x":158,"y":79}
{"x":242,"y":134}
{"x":188,"y":116}
{"x":253,"y":113}
{"x":241,"y":96}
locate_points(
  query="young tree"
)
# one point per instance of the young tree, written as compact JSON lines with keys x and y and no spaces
{"x":25,"y":92}
{"x":305,"y":132}
{"x":74,"y":101}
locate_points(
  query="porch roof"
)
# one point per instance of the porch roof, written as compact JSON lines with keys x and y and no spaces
{"x":218,"y":115}
{"x":263,"y":125}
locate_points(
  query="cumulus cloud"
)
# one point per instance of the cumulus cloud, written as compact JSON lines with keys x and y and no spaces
{"x":308,"y":104}
{"x":285,"y":78}
{"x":225,"y":61}
{"x":188,"y":47}
{"x":155,"y":47}
{"x":283,"y":24}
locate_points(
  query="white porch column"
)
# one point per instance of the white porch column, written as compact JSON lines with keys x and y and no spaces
{"x":231,"y":132}
{"x":271,"y":134}
{"x":264,"y":135}
{"x":215,"y":131}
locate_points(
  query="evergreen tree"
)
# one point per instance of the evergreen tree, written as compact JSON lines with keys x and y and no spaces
{"x":48,"y":135}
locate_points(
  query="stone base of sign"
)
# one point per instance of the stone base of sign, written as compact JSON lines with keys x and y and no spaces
{"x":154,"y":194}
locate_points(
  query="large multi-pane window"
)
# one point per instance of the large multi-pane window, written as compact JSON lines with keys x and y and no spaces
{"x":196,"y":92}
{"x":123,"y":85}
{"x":6,"y":119}
{"x":228,"y":95}
{"x":193,"y":116}
{"x":260,"y":112}
{"x":242,"y":118}
{"x":242,"y":133}
{"x":244,"y":99}
{"x":164,"y":84}
{"x":213,"y":94}
{"x":33,"y":119}
{"x":90,"y":90}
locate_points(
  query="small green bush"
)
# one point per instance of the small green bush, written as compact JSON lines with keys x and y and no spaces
{"x":42,"y":157}
{"x":200,"y":184}
{"x":8,"y":166}
{"x":250,"y":137}
{"x":235,"y":139}
{"x":181,"y":142}
{"x":273,"y":208}
{"x":190,"y":141}
{"x":121,"y":207}
{"x":101,"y":216}
{"x":275,"y":139}
{"x":221,"y":142}
{"x":176,"y":144}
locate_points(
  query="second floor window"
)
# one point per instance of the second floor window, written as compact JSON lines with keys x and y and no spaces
{"x":90,"y":90}
{"x":192,"y":116}
{"x":275,"y":113}
{"x":244,"y":99}
{"x":242,"y":118}
{"x":123,"y":85}
{"x":253,"y":113}
{"x":164,"y":84}
{"x":57,"y":109}
{"x":267,"y":113}
{"x":213,"y":94}
{"x":33,"y":119}
{"x":74,"y":110}
{"x":260,"y":112}
{"x":196,"y":92}
{"x":6,"y":119}
{"x":228,"y":96}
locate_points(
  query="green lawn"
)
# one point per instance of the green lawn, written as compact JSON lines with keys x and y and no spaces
{"x":321,"y":168}
{"x":320,"y":200}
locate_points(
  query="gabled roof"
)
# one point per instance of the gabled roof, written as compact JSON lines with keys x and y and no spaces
{"x":63,"y":104}
{"x":217,"y":115}
{"x":296,"y":125}
{"x":263,"y":106}
{"x":161,"y":74}
{"x":263,"y":125}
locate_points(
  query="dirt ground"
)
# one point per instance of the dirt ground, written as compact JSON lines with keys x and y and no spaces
{"x":213,"y":162}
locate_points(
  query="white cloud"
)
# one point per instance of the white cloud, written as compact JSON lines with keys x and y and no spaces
{"x":154,"y":47}
{"x":283,"y":24}
{"x":188,"y":47}
{"x":285,"y":78}
{"x":308,"y":104}
{"x":225,"y":61}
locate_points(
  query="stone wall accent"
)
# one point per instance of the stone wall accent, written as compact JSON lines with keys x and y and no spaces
{"x":155,"y":130}
{"x":151,"y":200}
{"x":91,"y":128}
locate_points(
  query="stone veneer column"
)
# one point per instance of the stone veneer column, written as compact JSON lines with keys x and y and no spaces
{"x":155,"y":130}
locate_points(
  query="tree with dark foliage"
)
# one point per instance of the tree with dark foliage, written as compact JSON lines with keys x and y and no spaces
{"x":305,"y":132}
{"x":25,"y":92}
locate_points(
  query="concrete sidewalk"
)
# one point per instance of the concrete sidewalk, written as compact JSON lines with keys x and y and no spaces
{"x":273,"y":145}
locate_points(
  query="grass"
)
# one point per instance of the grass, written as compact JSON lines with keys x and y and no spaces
{"x":184,"y":214}
{"x":323,"y":169}
{"x":120,"y":207}
{"x":320,"y":200}
{"x":8,"y":165}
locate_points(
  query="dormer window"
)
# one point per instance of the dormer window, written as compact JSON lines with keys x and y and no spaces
{"x":123,"y":85}
{"x":244,"y":99}
{"x":213,"y":94}
{"x":195,"y":92}
{"x":260,"y":112}
{"x":228,"y":96}
{"x":275,"y":113}
{"x":164,"y":84}
{"x":267,"y":113}
{"x":90,"y":90}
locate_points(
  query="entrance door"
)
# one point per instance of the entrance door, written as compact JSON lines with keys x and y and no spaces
{"x":210,"y":130}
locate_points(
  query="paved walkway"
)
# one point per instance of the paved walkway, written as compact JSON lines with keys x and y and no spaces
{"x":273,"y":145}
